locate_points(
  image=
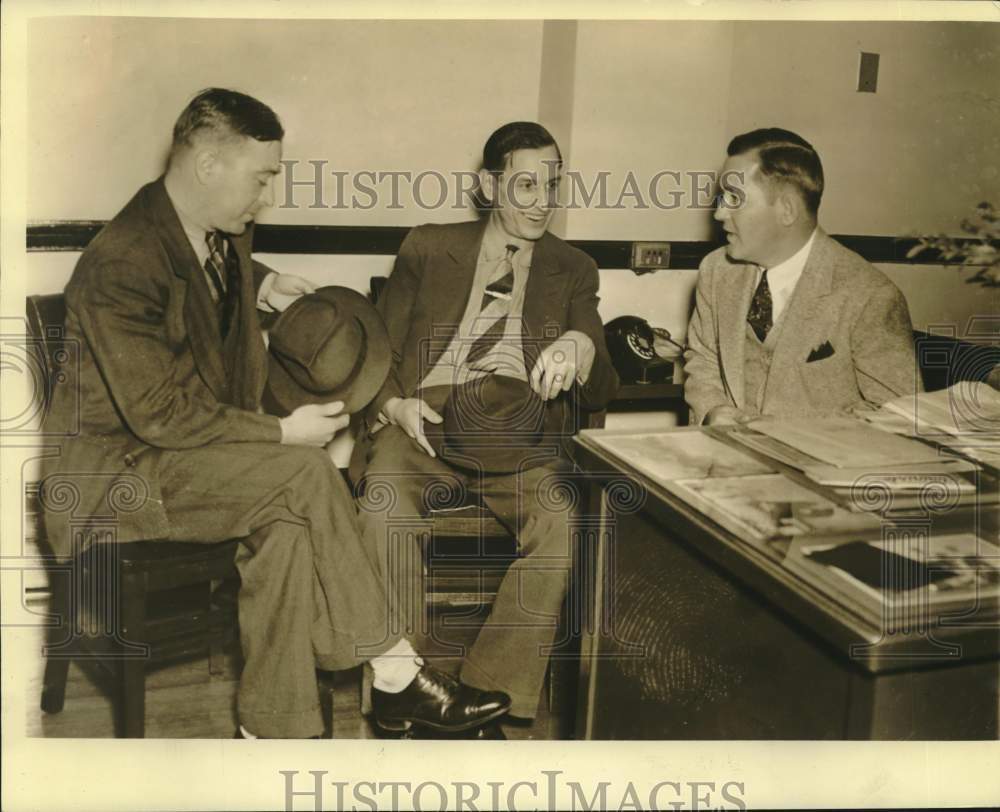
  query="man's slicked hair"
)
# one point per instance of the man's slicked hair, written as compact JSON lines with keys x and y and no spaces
{"x":226,"y":114}
{"x":784,"y":157}
{"x":514,"y":136}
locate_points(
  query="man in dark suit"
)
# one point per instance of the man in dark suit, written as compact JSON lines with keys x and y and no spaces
{"x":788,"y":322}
{"x":172,"y":441}
{"x":501,"y":297}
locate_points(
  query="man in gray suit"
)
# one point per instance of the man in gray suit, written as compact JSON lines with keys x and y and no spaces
{"x":788,"y":322}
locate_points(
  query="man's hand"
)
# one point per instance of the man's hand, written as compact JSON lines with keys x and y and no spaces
{"x":409,"y":414}
{"x":567,"y":359}
{"x":285,"y":288}
{"x":727,"y":416}
{"x":314,"y":424}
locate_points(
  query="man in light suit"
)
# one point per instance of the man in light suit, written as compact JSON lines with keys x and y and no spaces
{"x":452,"y":287}
{"x":172,"y":442}
{"x":788,"y":322}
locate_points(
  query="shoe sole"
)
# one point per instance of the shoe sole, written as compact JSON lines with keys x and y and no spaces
{"x":402,"y":725}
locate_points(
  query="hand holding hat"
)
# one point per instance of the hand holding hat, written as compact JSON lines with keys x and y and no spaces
{"x":409,"y":414}
{"x":495,"y":424}
{"x":327,"y":346}
{"x":562,"y":363}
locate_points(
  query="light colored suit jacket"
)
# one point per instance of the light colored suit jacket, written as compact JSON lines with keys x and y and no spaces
{"x":840,"y":300}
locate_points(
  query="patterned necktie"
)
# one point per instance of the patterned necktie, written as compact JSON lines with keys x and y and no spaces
{"x":497,"y":291}
{"x":223,"y":269}
{"x":759,"y":315}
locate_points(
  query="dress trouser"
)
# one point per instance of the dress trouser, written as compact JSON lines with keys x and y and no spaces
{"x":510,"y":653}
{"x":311,"y":595}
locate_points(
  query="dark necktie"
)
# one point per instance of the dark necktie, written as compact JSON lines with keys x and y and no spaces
{"x":759,"y":315}
{"x":498,"y":290}
{"x":223,"y":269}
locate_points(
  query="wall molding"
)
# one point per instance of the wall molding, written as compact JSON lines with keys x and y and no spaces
{"x":75,"y":235}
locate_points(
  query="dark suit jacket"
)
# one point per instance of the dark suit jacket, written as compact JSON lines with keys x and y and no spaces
{"x":150,"y":374}
{"x":842,"y":306}
{"x":424,"y":300}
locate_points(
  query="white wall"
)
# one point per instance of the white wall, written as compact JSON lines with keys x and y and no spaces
{"x":386,"y":96}
{"x":649,"y":97}
{"x":620,"y":96}
{"x":916,"y":156}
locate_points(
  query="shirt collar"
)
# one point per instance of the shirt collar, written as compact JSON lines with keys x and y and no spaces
{"x":496,"y":240}
{"x":195,"y":233}
{"x":787,"y":272}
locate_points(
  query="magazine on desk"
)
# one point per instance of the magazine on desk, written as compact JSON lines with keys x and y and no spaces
{"x":681,"y":454}
{"x":905,"y":575}
{"x":746,"y":496}
{"x":763,"y":507}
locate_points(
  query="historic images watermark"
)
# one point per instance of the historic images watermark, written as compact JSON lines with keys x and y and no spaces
{"x":326,"y":187}
{"x":546,"y":790}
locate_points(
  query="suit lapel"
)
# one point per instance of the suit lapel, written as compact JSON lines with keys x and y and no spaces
{"x":199,"y":310}
{"x":737,"y":283}
{"x":543,"y":289}
{"x":455,"y":287}
{"x":804,"y":317}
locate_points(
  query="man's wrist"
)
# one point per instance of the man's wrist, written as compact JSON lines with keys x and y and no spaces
{"x":265,"y":292}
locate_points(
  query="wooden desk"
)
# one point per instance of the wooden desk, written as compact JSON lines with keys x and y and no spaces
{"x":691,"y":633}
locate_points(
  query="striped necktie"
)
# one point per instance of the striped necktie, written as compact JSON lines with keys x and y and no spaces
{"x":498,"y":290}
{"x":222,"y":268}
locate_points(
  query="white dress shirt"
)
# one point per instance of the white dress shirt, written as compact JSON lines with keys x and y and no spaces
{"x":784,"y":276}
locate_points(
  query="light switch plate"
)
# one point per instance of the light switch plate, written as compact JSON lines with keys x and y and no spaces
{"x":868,"y":73}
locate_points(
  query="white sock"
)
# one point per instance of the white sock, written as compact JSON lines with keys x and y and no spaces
{"x":396,"y":669}
{"x":246,"y":734}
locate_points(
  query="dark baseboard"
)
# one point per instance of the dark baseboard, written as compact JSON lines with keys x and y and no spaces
{"x":75,"y":235}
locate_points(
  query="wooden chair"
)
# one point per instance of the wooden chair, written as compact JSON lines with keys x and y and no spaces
{"x":127,"y":606}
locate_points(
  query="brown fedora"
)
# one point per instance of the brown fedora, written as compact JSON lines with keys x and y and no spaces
{"x":328,"y":345}
{"x":495,"y":423}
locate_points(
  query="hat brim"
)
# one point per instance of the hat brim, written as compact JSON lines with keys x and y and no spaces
{"x":283,"y":394}
{"x":493,"y":449}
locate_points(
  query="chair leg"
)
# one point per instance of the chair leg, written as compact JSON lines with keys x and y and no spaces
{"x":132,"y":674}
{"x":57,"y":656}
{"x":54,"y":683}
{"x":133,"y":698}
{"x":216,"y":658}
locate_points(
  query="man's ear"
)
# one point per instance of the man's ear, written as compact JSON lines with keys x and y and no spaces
{"x":790,"y":206}
{"x":488,"y":186}
{"x":206,"y":162}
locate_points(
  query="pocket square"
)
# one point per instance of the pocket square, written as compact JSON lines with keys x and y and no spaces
{"x":824,"y":350}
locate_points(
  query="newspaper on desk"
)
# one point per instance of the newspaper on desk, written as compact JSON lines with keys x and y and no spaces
{"x":846,"y":442}
{"x":839,"y":452}
{"x":963,"y":419}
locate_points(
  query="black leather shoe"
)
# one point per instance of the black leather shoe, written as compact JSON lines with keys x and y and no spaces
{"x":438,"y":701}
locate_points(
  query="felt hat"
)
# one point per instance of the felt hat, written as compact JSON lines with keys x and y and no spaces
{"x":326,"y":346}
{"x":495,"y":424}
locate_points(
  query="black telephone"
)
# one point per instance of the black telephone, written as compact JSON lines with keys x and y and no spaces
{"x":631,"y":343}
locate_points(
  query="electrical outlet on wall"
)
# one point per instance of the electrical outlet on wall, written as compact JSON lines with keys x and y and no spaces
{"x":650,"y":256}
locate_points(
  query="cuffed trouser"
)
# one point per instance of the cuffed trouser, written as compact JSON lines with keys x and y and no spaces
{"x":511,"y":651}
{"x":311,"y":595}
